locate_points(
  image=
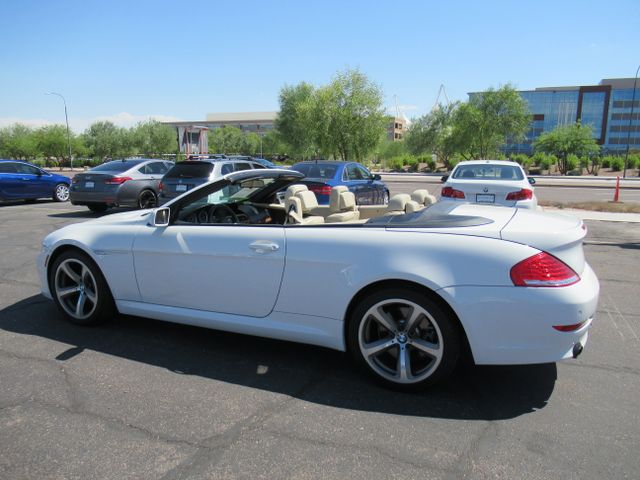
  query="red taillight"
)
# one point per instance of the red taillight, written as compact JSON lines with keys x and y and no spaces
{"x":320,"y":189}
{"x":116,"y":180}
{"x":452,"y":192}
{"x":524,"y":194}
{"x":570,"y":328}
{"x":161,"y":187}
{"x":543,"y":270}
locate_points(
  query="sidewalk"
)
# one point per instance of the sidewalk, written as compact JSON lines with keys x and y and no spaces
{"x":590,"y":215}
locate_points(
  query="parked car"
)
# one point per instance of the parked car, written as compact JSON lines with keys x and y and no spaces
{"x":119,"y":183}
{"x":323,"y":175}
{"x":185,"y":176}
{"x":493,"y":182}
{"x":23,"y":181}
{"x":265,"y":162}
{"x":405,"y":294}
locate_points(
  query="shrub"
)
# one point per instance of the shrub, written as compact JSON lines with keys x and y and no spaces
{"x":634,"y":161}
{"x":572,"y":162}
{"x":543,"y":160}
{"x":606,"y":161}
{"x":617,"y":164}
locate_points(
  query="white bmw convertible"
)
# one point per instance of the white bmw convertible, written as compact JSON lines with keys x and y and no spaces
{"x":405,"y":288}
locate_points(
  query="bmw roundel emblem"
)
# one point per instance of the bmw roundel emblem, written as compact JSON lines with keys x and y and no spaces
{"x":485,"y":189}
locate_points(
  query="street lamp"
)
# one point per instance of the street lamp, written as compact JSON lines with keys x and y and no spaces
{"x":66,"y":117}
{"x":633,"y":100}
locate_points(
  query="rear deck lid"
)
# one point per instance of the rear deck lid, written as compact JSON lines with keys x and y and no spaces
{"x":558,"y":234}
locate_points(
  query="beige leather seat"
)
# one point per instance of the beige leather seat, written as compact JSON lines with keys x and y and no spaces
{"x":342,"y":205}
{"x":401,"y":203}
{"x":299,"y":206}
{"x":423,"y":197}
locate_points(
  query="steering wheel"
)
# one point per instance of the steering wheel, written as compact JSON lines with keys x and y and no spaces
{"x":222,"y":213}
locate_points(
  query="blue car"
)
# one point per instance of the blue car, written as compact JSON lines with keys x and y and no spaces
{"x":23,"y":181}
{"x":323,"y":175}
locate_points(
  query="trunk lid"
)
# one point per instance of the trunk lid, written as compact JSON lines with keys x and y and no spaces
{"x":560,"y":235}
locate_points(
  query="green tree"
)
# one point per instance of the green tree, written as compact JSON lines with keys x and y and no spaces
{"x":273,"y":145}
{"x":344,"y":119}
{"x":105,"y":140}
{"x":357,"y":120}
{"x":18,"y":141}
{"x":229,"y":140}
{"x":488,"y":120}
{"x":295,"y":119}
{"x":434,"y":133}
{"x":574,"y":139}
{"x":153,"y":138}
{"x":51,"y":141}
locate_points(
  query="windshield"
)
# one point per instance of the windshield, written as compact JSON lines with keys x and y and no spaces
{"x":488,"y":172}
{"x":116,"y":166}
{"x":225,"y":194}
{"x":316,"y":170}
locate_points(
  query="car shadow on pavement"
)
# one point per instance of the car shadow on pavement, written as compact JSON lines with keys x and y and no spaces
{"x":310,"y":373}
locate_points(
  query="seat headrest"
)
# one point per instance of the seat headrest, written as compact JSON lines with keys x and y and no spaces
{"x":413,"y":206}
{"x":347,"y":201}
{"x":420,"y":196}
{"x":334,"y":198}
{"x":308,"y":200}
{"x":398,"y":202}
{"x":293,"y":189}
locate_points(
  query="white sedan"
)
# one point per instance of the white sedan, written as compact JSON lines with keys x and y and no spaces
{"x":405,"y":294}
{"x":491,"y":182}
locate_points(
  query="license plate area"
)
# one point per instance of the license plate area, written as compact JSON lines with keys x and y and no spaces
{"x":181,"y":188}
{"x":89,"y":184}
{"x":485,"y":198}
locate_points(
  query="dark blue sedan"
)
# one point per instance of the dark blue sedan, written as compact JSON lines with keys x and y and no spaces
{"x":23,"y":181}
{"x":323,"y":175}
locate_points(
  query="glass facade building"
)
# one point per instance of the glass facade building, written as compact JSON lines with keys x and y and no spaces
{"x":607,"y":107}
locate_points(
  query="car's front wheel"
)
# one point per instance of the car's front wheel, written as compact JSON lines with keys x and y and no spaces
{"x":403,"y":339}
{"x":61,"y":192}
{"x":79,"y":290}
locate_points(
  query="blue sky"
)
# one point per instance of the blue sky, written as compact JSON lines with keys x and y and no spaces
{"x":126,"y":61}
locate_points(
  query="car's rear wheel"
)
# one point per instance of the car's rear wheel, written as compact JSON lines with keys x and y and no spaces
{"x":403,"y":339}
{"x":147,"y":199}
{"x":98,"y":207}
{"x":79,"y":290}
{"x":61,"y":192}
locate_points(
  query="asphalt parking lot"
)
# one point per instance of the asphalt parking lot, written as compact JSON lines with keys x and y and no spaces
{"x":137,"y":398}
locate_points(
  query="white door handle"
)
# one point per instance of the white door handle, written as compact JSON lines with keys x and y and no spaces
{"x":264,"y":246}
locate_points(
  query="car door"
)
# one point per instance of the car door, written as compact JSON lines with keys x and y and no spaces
{"x":31,"y":182}
{"x":216,"y":268}
{"x":358,"y":184}
{"x":373,"y":191}
{"x":10,"y":185}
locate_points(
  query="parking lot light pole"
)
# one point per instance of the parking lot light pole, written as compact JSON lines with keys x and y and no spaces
{"x":633,"y":99}
{"x":66,"y":118}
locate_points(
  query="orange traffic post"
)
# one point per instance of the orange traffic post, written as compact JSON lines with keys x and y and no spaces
{"x":616,"y":194}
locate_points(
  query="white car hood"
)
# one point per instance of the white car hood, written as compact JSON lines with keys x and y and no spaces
{"x":122,"y":218}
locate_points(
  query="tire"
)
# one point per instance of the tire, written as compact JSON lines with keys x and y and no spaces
{"x":147,"y":199}
{"x":403,"y":339}
{"x":79,"y":289}
{"x":385,"y":197}
{"x":61,"y":192}
{"x":98,"y":207}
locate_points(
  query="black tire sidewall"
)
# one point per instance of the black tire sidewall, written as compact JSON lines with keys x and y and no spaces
{"x":143,"y":192}
{"x":105,"y":307}
{"x":448,"y":328}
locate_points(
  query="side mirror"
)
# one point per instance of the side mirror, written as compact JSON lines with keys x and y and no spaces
{"x":377,"y":177}
{"x":161,"y":217}
{"x":444,"y":178}
{"x":532,"y":181}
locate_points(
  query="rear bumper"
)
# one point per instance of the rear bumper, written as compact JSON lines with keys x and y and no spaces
{"x":516,"y":327}
{"x":117,"y":198}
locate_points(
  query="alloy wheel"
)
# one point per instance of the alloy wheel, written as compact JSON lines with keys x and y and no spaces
{"x":76,"y":289}
{"x":62,"y":192}
{"x":400,"y":341}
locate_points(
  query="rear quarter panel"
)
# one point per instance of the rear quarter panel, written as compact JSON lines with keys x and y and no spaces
{"x":326,"y":267}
